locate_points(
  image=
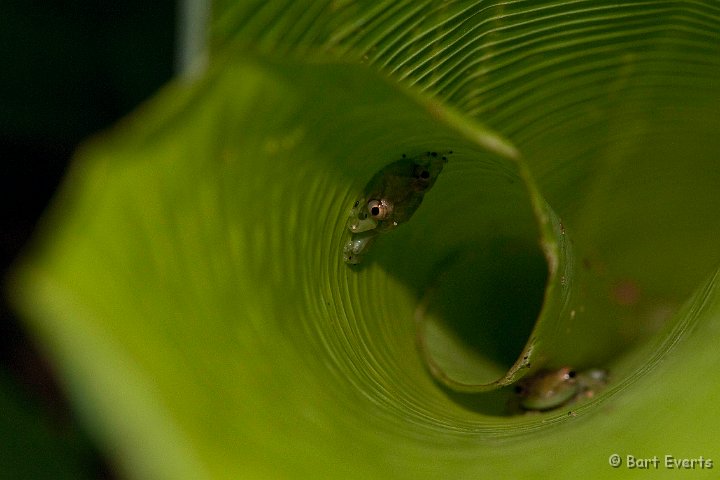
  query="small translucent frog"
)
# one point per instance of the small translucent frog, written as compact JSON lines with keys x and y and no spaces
{"x":549,"y":389}
{"x":390,"y":198}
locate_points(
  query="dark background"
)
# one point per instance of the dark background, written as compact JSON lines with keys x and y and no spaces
{"x":68,"y":69}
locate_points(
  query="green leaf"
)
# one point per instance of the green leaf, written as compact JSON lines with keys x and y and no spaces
{"x":189,"y":280}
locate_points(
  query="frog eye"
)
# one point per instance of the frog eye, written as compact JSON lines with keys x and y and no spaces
{"x":422,"y":173}
{"x":379,"y":209}
{"x":421,"y":178}
{"x":359,"y":219}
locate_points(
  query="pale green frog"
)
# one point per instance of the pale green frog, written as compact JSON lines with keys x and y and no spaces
{"x":390,"y":198}
{"x":549,"y":389}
